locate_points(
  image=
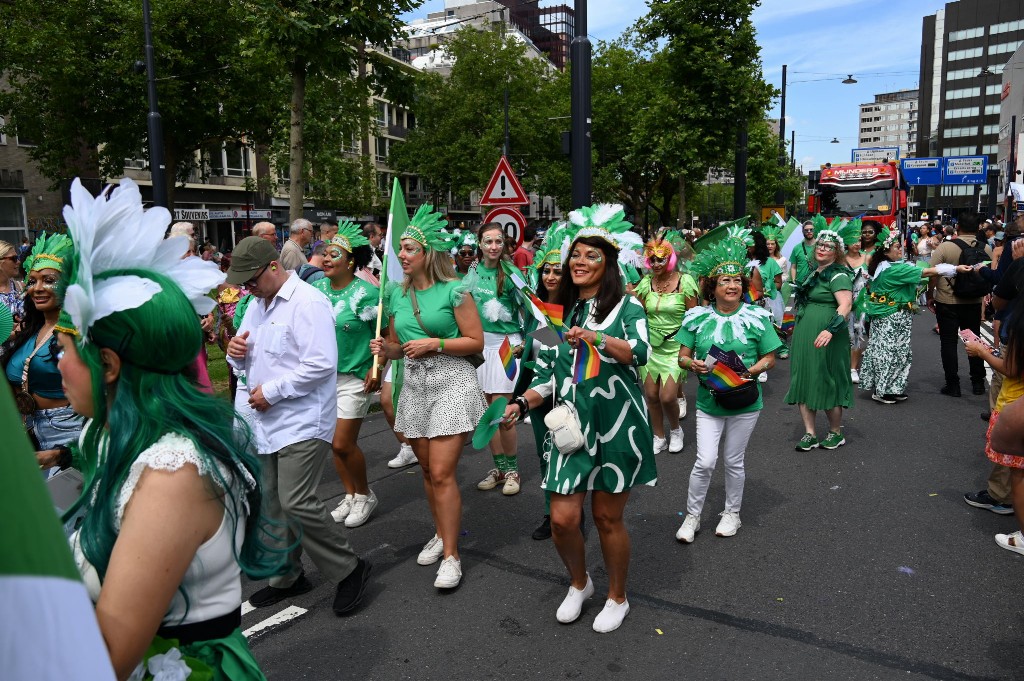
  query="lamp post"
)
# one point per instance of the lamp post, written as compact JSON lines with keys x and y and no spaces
{"x":579,"y":54}
{"x":983,"y":74}
{"x":780,"y":194}
{"x":154,"y":125}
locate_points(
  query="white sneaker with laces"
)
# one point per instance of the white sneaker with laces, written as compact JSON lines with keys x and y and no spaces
{"x":675,"y":441}
{"x":729,"y":524}
{"x":611,"y":617}
{"x":570,"y":609}
{"x":449,"y":574}
{"x":511,"y":485}
{"x":344,"y":508}
{"x":405,"y":457}
{"x":689,"y":528}
{"x":362,"y":507}
{"x":854,"y":376}
{"x":431,"y":552}
{"x":660,"y":444}
{"x":682,"y":407}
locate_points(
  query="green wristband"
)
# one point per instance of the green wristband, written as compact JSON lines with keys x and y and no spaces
{"x":440,"y":346}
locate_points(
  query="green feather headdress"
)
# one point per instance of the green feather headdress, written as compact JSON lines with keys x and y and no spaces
{"x":349,"y":236}
{"x":840,"y":232}
{"x":466,"y":237}
{"x":741,"y":234}
{"x":49,"y":252}
{"x":725,"y":257}
{"x":428,"y":229}
{"x":551,"y":250}
{"x":771,"y":233}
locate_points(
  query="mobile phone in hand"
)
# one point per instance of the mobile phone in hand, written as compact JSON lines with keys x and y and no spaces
{"x":968,"y":336}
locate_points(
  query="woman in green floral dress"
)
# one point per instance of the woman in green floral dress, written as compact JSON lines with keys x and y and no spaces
{"x":618,"y":452}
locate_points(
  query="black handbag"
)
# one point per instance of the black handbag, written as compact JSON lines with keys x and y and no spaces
{"x":734,"y":399}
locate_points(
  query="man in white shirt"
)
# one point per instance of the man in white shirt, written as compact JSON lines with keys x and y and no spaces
{"x":293,"y":253}
{"x":287,"y":347}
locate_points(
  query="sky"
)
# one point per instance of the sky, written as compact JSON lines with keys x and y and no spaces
{"x":821,"y":41}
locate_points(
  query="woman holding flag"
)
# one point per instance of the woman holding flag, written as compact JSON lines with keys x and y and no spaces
{"x":728,"y":343}
{"x":498,"y":304}
{"x":595,"y":373}
{"x":434,"y":327}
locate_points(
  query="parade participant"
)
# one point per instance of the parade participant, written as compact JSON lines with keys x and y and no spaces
{"x":290,"y":365}
{"x":501,"y":315}
{"x":464,"y":253}
{"x":769,"y":275}
{"x":777,"y":302}
{"x":820,"y":368}
{"x":616,"y":454}
{"x":666,"y":295}
{"x":171,"y":487}
{"x":10,"y":287}
{"x":30,"y":356}
{"x":435,"y":327}
{"x":355,"y":315}
{"x":802,"y":257}
{"x":730,"y":325}
{"x":888,"y":300}
{"x":869,"y":237}
{"x":858,"y":262}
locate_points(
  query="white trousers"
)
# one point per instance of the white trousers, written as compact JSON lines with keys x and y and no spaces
{"x":733,"y":433}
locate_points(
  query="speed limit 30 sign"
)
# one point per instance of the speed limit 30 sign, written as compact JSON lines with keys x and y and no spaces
{"x":511,"y":221}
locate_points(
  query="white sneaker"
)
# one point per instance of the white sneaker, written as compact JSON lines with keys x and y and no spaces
{"x":611,"y":617}
{"x":728,"y":525}
{"x":431,"y":552}
{"x":449,"y":574}
{"x":690,"y":527}
{"x":572,"y":606}
{"x":660,"y":444}
{"x":762,"y":377}
{"x":405,"y":458}
{"x":682,"y":407}
{"x":362,"y":507}
{"x":344,"y":508}
{"x":854,"y":376}
{"x":511,"y":485}
{"x":675,"y":441}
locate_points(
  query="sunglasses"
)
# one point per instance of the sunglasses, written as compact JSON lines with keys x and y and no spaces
{"x":467,"y":252}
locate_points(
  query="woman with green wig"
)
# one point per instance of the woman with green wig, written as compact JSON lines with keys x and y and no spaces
{"x":171,"y":493}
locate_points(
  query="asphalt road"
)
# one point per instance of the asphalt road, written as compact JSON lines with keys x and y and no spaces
{"x":862,"y":563}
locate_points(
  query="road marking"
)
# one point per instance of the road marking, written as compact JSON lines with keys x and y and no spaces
{"x":289,"y":613}
{"x":247,"y":608}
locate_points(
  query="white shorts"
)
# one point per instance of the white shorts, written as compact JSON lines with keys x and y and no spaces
{"x":353,"y":403}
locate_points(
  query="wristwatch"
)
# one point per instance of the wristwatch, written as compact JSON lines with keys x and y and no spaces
{"x":602,"y":342}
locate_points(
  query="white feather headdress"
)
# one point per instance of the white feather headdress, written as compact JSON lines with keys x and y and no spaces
{"x":112,"y":231}
{"x":608,"y":221}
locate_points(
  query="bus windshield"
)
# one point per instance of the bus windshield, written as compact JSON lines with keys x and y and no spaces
{"x":850,"y":203}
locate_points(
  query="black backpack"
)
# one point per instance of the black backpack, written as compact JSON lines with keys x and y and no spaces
{"x":971,"y":284}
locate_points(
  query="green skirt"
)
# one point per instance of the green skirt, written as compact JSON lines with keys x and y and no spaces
{"x":819,"y":377}
{"x":663,"y":363}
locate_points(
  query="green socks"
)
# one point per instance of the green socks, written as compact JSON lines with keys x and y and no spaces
{"x":504,"y":463}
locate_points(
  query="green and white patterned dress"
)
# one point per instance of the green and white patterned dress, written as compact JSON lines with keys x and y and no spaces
{"x":619,"y":449}
{"x":888,"y":301}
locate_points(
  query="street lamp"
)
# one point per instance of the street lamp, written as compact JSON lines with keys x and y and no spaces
{"x":579,"y":54}
{"x":154,"y":125}
{"x":835,"y":140}
{"x":849,"y":80}
{"x":983,"y":74}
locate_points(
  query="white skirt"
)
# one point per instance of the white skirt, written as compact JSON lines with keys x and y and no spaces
{"x":440,"y":396}
{"x":491,"y":373}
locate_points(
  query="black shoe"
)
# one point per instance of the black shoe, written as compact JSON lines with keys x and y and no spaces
{"x":269,"y":595}
{"x":986,"y":415}
{"x":951,"y":390}
{"x":978,"y":387}
{"x":884,"y":399}
{"x":350,"y":589}
{"x":543,"y":530}
{"x":984,"y":500}
{"x":902,"y":397}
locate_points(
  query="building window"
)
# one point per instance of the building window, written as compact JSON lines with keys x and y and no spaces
{"x":382,"y":149}
{"x":12,"y":212}
{"x":24,"y":141}
{"x":959,"y":132}
{"x":382,"y":114}
{"x":967,"y":34}
{"x":352,"y":145}
{"x":960,"y":113}
{"x":3,"y":136}
{"x":137,"y":162}
{"x":1003,"y":48}
{"x":991,"y":130}
{"x":961,"y":74}
{"x":969,"y":53}
{"x":963,"y":93}
{"x":234,"y":164}
{"x":1006,"y":27}
{"x":994,"y":89}
{"x":384,"y":184}
{"x":992,"y":109}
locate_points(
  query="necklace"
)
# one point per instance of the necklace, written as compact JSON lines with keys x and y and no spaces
{"x":664,"y":285}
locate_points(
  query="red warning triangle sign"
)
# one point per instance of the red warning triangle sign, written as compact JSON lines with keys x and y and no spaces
{"x":504,"y":188}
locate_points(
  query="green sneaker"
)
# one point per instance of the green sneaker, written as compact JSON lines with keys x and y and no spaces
{"x":833,"y":441}
{"x":807,"y":443}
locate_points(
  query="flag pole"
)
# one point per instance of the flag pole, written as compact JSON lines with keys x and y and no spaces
{"x":383,"y":284}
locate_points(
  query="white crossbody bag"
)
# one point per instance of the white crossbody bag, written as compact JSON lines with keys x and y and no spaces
{"x":564,"y":425}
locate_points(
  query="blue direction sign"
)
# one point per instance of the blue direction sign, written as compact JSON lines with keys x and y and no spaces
{"x":922,"y":171}
{"x":965,"y":170}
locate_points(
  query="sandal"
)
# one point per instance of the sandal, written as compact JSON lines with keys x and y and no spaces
{"x":1011,"y":542}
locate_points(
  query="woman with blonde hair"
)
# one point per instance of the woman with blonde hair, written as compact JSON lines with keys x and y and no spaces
{"x":10,"y":287}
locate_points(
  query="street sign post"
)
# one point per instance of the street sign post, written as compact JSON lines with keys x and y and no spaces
{"x":922,"y":171}
{"x":504,"y":188}
{"x":874,"y":154}
{"x":965,"y":170}
{"x":511,"y":220}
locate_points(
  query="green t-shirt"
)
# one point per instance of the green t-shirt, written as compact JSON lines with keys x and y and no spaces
{"x":769,"y":268}
{"x":355,"y":321}
{"x":437,"y":309}
{"x":748,"y":332}
{"x":498,"y":314}
{"x":801,"y":258}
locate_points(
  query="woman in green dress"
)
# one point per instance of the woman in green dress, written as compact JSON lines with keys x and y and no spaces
{"x":820,"y":368}
{"x":889,"y":301}
{"x":617,"y":453}
{"x":666,"y":295}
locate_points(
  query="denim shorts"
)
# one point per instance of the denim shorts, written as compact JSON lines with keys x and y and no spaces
{"x":55,"y":427}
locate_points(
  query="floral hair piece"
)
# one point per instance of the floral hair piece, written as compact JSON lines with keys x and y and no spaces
{"x":49,"y":252}
{"x":887,"y":238}
{"x":427,"y":228}
{"x":724,"y":257}
{"x":608,"y":221}
{"x":349,"y":236}
{"x":113,"y":232}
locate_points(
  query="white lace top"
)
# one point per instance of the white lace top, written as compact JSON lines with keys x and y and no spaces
{"x":213,"y":579}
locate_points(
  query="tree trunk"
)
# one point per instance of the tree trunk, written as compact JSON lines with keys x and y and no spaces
{"x":681,"y":216}
{"x":295,"y":157}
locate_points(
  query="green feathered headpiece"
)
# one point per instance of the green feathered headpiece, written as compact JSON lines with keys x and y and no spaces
{"x":840,"y":232}
{"x":466,"y":237}
{"x":742,"y":234}
{"x":725,"y":257}
{"x":49,"y":253}
{"x":887,"y":238}
{"x":349,"y":236}
{"x":428,"y":229}
{"x":771,"y":233}
{"x":608,"y":221}
{"x":66,"y":325}
{"x":551,"y":249}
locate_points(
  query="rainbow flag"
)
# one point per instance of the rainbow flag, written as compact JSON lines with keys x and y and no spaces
{"x":553,"y":312}
{"x":722,"y":377}
{"x":508,"y":360}
{"x":788,"y":322}
{"x":587,"y":364}
{"x":752,"y":295}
